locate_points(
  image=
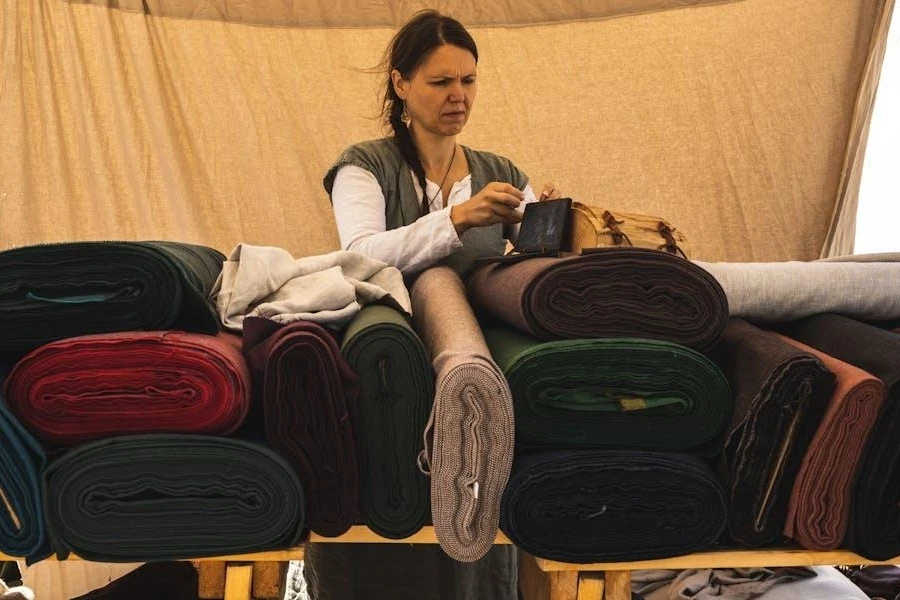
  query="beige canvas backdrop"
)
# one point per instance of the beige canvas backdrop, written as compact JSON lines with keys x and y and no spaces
{"x":740,"y":122}
{"x":366,"y":13}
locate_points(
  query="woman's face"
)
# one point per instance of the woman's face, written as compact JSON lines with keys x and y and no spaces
{"x":440,"y":94}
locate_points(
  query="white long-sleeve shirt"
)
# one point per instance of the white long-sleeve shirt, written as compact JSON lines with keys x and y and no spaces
{"x":359,"y":209}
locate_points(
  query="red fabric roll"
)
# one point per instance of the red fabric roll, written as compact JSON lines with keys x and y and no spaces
{"x":88,"y":387}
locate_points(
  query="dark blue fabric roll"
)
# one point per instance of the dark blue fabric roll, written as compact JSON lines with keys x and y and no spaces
{"x":585,"y":506}
{"x":22,"y":461}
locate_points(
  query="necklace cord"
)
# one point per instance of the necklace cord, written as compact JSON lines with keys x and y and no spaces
{"x":443,"y":181}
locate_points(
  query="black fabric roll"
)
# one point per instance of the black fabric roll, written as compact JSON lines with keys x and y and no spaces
{"x":169,"y":497}
{"x":53,"y":291}
{"x":585,"y":506}
{"x":396,"y":385}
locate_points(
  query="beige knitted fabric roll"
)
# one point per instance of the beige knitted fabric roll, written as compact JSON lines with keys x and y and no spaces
{"x":470,"y":436}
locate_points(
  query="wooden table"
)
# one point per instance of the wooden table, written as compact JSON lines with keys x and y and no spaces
{"x":256,"y":575}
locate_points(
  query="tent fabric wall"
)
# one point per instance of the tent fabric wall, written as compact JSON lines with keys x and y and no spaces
{"x":740,"y":122}
{"x":352,"y":13}
{"x":842,"y":229}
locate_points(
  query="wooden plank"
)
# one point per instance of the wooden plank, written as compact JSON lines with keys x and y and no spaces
{"x":700,"y":560}
{"x":238,"y":582}
{"x":618,"y":585}
{"x":268,"y":580}
{"x":591,"y":586}
{"x":725,"y":558}
{"x":362,"y":534}
{"x":211,"y":580}
{"x":265,"y":555}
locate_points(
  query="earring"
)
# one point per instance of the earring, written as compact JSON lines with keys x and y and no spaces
{"x":404,"y":116}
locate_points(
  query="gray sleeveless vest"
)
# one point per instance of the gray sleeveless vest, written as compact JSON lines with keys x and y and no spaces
{"x":382,"y":158}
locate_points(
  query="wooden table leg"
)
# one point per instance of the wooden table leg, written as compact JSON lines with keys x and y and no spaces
{"x":269,"y":580}
{"x":536,"y":584}
{"x":211,"y":579}
{"x":238,"y":581}
{"x":590,"y":586}
{"x":618,"y":585}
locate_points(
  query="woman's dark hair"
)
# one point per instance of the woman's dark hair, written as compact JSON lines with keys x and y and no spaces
{"x":420,"y":36}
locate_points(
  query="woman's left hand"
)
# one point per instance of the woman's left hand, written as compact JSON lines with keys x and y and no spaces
{"x":549,"y":192}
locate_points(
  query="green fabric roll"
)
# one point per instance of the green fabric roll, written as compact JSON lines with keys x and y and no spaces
{"x":169,"y":497}
{"x":627,"y":392}
{"x":53,"y":291}
{"x":397,"y":391}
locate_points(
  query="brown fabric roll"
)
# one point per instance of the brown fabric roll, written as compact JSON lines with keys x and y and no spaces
{"x":608,"y":292}
{"x":780,"y":395}
{"x":819,"y":508}
{"x":471,"y":427}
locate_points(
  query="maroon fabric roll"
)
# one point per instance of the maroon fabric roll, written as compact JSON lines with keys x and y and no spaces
{"x":88,"y":387}
{"x":608,"y":292}
{"x":308,"y":394}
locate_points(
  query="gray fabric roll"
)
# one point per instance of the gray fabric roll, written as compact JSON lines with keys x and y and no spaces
{"x":787,"y":291}
{"x":470,"y":435}
{"x":874,"y":257}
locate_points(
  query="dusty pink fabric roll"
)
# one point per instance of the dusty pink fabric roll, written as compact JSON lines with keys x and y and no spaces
{"x":470,"y":435}
{"x":819,"y":507}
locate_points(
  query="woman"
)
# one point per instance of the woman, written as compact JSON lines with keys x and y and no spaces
{"x":415,"y":199}
{"x":410,"y":199}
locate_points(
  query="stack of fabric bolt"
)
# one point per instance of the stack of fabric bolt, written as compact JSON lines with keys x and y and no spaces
{"x":124,"y":400}
{"x":615,"y":402}
{"x":341,"y":383}
{"x":826,"y":460}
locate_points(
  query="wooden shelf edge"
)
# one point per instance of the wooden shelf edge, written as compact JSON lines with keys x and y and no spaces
{"x":360,"y":534}
{"x":264,"y":556}
{"x":724,"y":558}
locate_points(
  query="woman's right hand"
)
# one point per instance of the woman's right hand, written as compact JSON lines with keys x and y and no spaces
{"x":496,"y":203}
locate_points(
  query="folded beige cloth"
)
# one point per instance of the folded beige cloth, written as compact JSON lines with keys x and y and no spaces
{"x":470,"y":436}
{"x":264,"y":281}
{"x":709,"y":584}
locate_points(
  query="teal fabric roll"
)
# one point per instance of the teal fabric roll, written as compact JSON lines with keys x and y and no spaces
{"x":396,"y":393}
{"x":22,"y":461}
{"x":627,"y":392}
{"x":168,"y":497}
{"x":52,"y":291}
